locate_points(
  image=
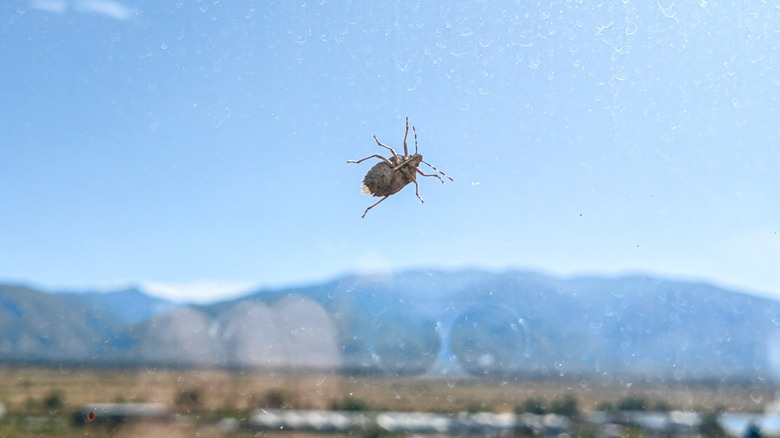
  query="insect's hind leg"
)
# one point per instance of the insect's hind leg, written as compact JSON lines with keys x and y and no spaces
{"x":369,"y":208}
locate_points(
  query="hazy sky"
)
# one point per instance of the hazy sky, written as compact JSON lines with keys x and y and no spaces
{"x":200,"y":147}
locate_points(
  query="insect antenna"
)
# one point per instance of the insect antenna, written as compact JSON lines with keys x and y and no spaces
{"x":434,"y":168}
{"x":415,"y":141}
{"x":427,"y":163}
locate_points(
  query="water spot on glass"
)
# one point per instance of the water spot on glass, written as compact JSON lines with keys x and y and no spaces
{"x":219,"y":116}
{"x":341,"y":38}
{"x":151,"y":370}
{"x":486,"y":41}
{"x":668,"y":11}
{"x":164,"y":46}
{"x":535,"y":60}
{"x":617,"y":78}
{"x":402,"y":65}
{"x":204,"y":8}
{"x":631,"y":28}
{"x":603,"y":27}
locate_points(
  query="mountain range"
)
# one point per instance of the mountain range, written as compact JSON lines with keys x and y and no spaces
{"x":465,"y":322}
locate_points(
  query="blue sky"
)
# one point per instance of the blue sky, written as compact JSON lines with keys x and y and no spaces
{"x":199,"y":147}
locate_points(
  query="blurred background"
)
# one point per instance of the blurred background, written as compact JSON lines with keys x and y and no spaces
{"x":174,"y":190}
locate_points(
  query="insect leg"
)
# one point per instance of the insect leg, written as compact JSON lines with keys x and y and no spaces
{"x":377,"y":203}
{"x":395,"y":154}
{"x":433,"y":175}
{"x":372,"y":156}
{"x":411,"y":175}
{"x":417,"y":191}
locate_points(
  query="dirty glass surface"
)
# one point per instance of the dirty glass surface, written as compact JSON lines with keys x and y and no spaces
{"x":182,"y":248}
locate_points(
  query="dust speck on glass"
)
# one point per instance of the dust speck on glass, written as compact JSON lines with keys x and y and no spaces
{"x":180,"y":240}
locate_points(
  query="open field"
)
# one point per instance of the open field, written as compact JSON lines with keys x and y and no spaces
{"x":228,"y":391}
{"x":199,"y":398}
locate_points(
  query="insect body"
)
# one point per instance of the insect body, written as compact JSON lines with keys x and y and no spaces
{"x":392,"y":174}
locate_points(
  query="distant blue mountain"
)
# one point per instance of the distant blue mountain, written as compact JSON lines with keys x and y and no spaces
{"x":43,"y":327}
{"x":524,"y":322}
{"x":465,"y":322}
{"x":128,"y":306}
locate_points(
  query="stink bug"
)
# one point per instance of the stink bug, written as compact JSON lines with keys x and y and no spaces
{"x":392,"y":174}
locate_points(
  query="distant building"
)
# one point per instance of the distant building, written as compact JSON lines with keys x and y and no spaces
{"x":464,"y":423}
